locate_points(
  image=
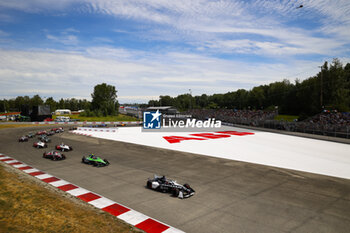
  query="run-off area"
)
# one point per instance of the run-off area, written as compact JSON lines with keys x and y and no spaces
{"x":278,"y":150}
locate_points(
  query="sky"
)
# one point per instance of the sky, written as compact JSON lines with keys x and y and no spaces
{"x":148,"y":48}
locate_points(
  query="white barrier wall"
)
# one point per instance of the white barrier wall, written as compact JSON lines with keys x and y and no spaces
{"x":89,"y":129}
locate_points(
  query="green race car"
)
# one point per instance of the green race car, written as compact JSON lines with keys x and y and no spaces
{"x":94,"y":160}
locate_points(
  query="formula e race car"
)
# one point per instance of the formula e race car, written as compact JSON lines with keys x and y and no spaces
{"x":30,"y":135}
{"x":44,"y":138}
{"x":162,"y":184}
{"x":58,"y":130}
{"x":40,"y":145}
{"x":94,"y":160}
{"x":50,"y":133}
{"x":54,"y":155}
{"x":23,"y":139}
{"x":63,"y":147}
{"x":41,"y":132}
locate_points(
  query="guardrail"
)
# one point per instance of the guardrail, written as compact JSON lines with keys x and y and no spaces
{"x":90,"y":129}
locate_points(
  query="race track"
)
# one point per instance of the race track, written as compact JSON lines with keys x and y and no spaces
{"x":231,"y":195}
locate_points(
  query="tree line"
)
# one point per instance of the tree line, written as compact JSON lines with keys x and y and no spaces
{"x":104,"y":102}
{"x":329,"y":89}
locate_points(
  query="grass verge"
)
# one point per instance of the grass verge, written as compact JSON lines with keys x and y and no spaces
{"x":6,"y":126}
{"x":27,"y":206}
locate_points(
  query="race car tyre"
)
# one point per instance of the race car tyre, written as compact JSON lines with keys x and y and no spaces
{"x":38,"y":147}
{"x":149,"y":184}
{"x":83,"y":160}
{"x":71,"y":148}
{"x":175,"y":192}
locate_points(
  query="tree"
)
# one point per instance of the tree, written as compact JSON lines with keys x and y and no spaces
{"x":104,"y":99}
{"x":166,"y":100}
{"x":202,"y":101}
{"x":36,"y":100}
{"x":84,"y":104}
{"x":61,"y":104}
{"x":52,"y":103}
{"x":257,"y":97}
{"x":73,"y":104}
{"x":153,"y":103}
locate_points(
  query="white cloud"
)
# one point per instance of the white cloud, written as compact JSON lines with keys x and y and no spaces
{"x":260,"y":27}
{"x":203,"y":22}
{"x":65,"y":36}
{"x":66,"y":75}
{"x":34,"y":6}
{"x":3,"y":34}
{"x":66,"y":39}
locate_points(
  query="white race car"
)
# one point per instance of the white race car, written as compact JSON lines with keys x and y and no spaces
{"x":40,"y":145}
{"x":63,"y":147}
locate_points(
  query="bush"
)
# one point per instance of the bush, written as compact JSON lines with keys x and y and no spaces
{"x":87,"y":113}
{"x":97,"y":113}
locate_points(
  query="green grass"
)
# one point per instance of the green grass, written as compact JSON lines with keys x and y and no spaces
{"x":28,"y":206}
{"x":289,"y":118}
{"x":120,"y":117}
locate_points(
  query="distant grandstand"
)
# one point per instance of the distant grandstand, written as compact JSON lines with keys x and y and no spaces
{"x":326,"y":123}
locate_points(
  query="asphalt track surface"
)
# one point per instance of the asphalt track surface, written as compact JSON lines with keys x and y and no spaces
{"x":230,"y":196}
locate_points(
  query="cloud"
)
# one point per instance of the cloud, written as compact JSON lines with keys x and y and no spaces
{"x":65,"y":75}
{"x":66,"y":40}
{"x":268,"y":25}
{"x":3,"y":34}
{"x":198,"y":40}
{"x":137,"y":98}
{"x":36,"y":6}
{"x":222,"y":24}
{"x":65,"y":37}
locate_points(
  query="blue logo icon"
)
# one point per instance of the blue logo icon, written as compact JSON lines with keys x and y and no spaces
{"x":151,"y":120}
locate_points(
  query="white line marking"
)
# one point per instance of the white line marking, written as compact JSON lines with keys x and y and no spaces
{"x":101,"y":202}
{"x":59,"y":183}
{"x":6,"y":157}
{"x":43,"y":176}
{"x":77,"y":192}
{"x":133,"y":217}
{"x":31,"y":170}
